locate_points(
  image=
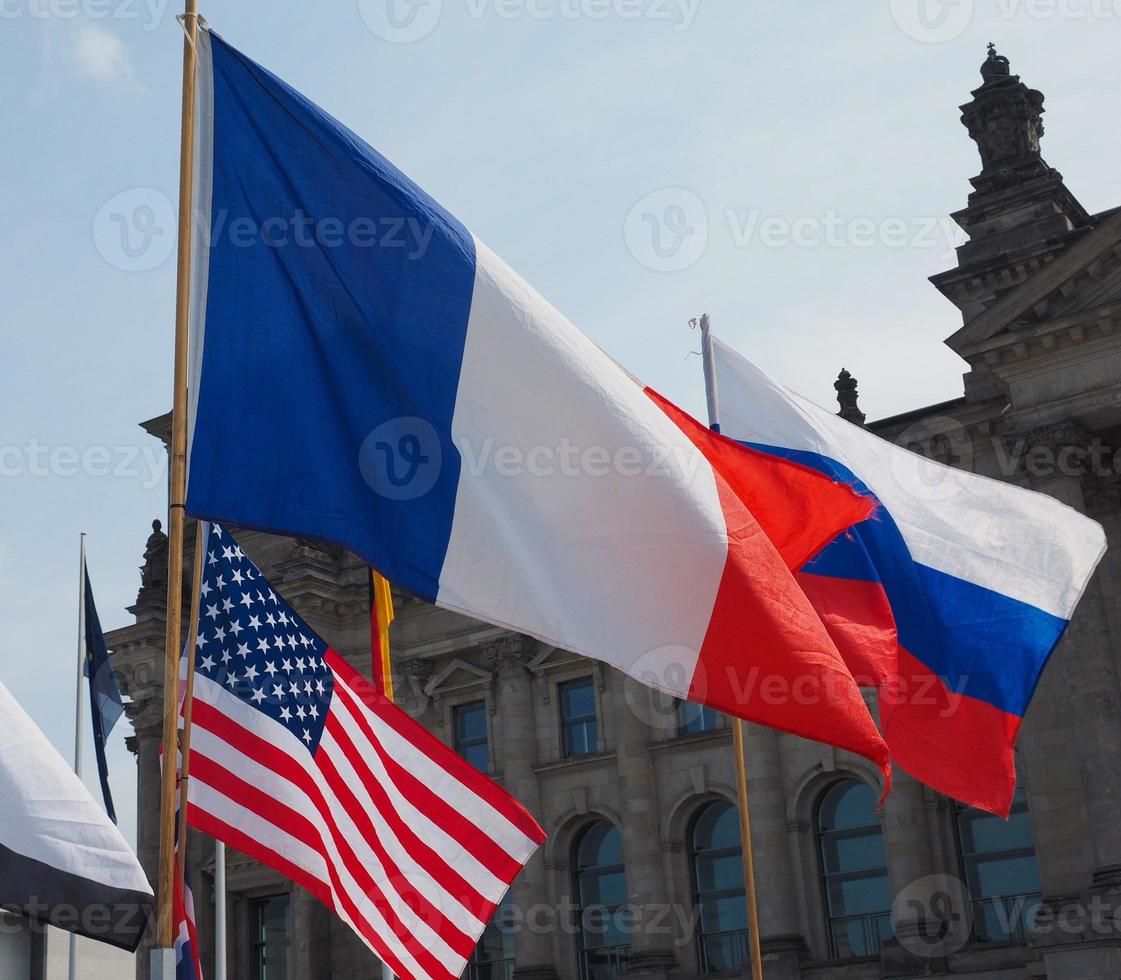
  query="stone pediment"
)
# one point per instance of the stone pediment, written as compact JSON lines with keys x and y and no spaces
{"x":1082,"y":282}
{"x":458,"y":675}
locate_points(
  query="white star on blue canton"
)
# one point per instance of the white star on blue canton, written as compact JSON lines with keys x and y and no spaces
{"x":278,"y":630}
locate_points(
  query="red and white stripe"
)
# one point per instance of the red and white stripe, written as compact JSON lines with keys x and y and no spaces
{"x":384,"y":824}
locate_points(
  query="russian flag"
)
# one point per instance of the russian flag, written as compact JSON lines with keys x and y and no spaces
{"x":950,"y":598}
{"x":366,"y":371}
{"x":186,"y":941}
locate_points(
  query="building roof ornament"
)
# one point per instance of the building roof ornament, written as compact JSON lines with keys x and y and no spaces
{"x":153,"y":573}
{"x":995,"y":66}
{"x":847,"y":397}
{"x":1005,"y":120}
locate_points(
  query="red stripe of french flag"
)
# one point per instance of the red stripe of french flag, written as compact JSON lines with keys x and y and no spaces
{"x":767,"y":656}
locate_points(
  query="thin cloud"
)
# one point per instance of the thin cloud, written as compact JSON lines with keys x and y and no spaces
{"x":100,"y":54}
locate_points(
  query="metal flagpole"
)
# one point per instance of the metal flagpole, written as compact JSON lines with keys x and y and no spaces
{"x":189,"y":688}
{"x":78,"y":712}
{"x":163,"y":958}
{"x":219,"y":910}
{"x":739,"y":743}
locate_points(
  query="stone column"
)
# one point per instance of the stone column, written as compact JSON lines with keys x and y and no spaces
{"x":652,"y":945}
{"x":911,"y":868}
{"x":1089,"y":665}
{"x":145,"y":743}
{"x":311,"y":937}
{"x":517,"y":757}
{"x":780,"y":929}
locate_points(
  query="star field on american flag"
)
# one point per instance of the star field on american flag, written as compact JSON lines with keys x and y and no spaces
{"x":253,"y":643}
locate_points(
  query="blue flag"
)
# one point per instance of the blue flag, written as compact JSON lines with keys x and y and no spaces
{"x":106,"y":705}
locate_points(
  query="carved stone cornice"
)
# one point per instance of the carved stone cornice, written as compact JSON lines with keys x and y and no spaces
{"x":1055,"y":436}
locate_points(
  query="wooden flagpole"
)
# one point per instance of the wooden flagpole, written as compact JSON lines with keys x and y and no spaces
{"x":177,"y":489}
{"x":739,"y":742}
{"x":739,"y":746}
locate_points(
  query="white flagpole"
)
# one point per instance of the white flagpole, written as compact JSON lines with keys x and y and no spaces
{"x":739,"y":743}
{"x":78,"y":712}
{"x":708,"y":360}
{"x":219,"y":910}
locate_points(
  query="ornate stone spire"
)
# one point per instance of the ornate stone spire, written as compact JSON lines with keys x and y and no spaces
{"x":847,"y":398}
{"x":1020,"y":214}
{"x":1005,"y":120}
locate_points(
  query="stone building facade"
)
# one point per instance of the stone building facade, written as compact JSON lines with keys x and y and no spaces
{"x":640,"y":875}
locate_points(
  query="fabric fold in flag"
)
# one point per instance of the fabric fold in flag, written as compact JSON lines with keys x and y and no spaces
{"x":62,"y":862}
{"x":949,"y":599}
{"x":106,"y":703}
{"x":410,"y":397}
{"x":299,"y":763}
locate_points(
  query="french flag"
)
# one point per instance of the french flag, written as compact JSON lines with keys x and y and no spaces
{"x":366,"y":371}
{"x":949,"y":599}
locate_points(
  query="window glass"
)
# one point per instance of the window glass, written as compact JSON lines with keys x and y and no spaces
{"x":718,"y":892}
{"x":600,"y":890}
{"x":493,"y":958}
{"x":471,"y":734}
{"x":1001,"y":871}
{"x":853,"y":869}
{"x":579,"y":727}
{"x":693,"y":718}
{"x":272,"y":919}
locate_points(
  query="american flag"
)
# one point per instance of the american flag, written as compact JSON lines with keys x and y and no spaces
{"x":296,"y":761}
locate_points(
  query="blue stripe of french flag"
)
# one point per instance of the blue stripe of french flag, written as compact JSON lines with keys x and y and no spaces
{"x":366,"y":371}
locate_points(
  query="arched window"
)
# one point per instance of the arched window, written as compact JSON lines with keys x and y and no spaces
{"x":718,"y":896}
{"x":493,"y":958}
{"x":599,"y":884}
{"x":853,"y":870}
{"x":1000,"y":869}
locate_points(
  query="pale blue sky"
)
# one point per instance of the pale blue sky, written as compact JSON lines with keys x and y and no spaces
{"x":819,"y":143}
